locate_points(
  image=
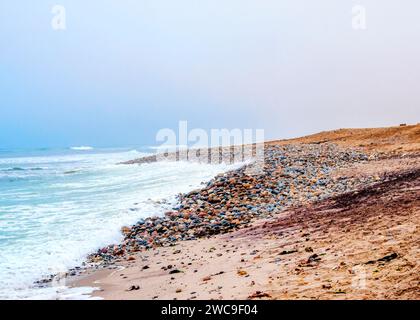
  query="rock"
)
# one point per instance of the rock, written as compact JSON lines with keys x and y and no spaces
{"x":313,"y":258}
{"x":242,"y":272}
{"x":386,"y":258}
{"x":174,"y":271}
{"x":125,"y":230}
{"x":389,"y":257}
{"x":133,"y":288}
{"x":259,"y":294}
{"x":287,"y":252}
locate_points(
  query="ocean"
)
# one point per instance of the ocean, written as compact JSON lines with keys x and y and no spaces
{"x":57,"y":206}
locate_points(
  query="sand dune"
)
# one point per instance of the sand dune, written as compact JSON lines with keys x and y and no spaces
{"x":389,"y":139}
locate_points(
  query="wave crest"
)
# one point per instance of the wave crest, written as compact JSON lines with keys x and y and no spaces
{"x":81,"y":148}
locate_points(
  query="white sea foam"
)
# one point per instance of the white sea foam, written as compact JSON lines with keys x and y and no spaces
{"x":82,"y":148}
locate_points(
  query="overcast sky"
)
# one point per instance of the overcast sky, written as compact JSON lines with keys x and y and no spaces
{"x":122,"y":70}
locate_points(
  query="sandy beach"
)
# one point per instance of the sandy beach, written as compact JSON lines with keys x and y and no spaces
{"x":334,"y":215}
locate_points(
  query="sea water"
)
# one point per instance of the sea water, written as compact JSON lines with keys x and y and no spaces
{"x":57,"y":206}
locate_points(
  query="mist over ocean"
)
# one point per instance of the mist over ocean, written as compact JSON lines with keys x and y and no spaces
{"x":57,"y":206}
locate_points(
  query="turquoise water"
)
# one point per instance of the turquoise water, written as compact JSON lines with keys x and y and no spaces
{"x":57,"y":206}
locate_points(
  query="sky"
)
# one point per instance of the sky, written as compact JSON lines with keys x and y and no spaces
{"x":122,"y":70}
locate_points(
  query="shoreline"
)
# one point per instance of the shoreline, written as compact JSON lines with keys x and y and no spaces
{"x":156,"y":238}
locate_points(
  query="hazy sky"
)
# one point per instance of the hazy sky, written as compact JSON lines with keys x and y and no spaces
{"x":124,"y":69}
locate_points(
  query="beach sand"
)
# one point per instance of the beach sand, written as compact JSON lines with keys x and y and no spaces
{"x":362,"y":243}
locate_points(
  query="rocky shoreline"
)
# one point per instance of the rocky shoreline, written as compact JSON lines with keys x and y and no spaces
{"x":327,"y":210}
{"x":292,"y":175}
{"x":355,"y":239}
